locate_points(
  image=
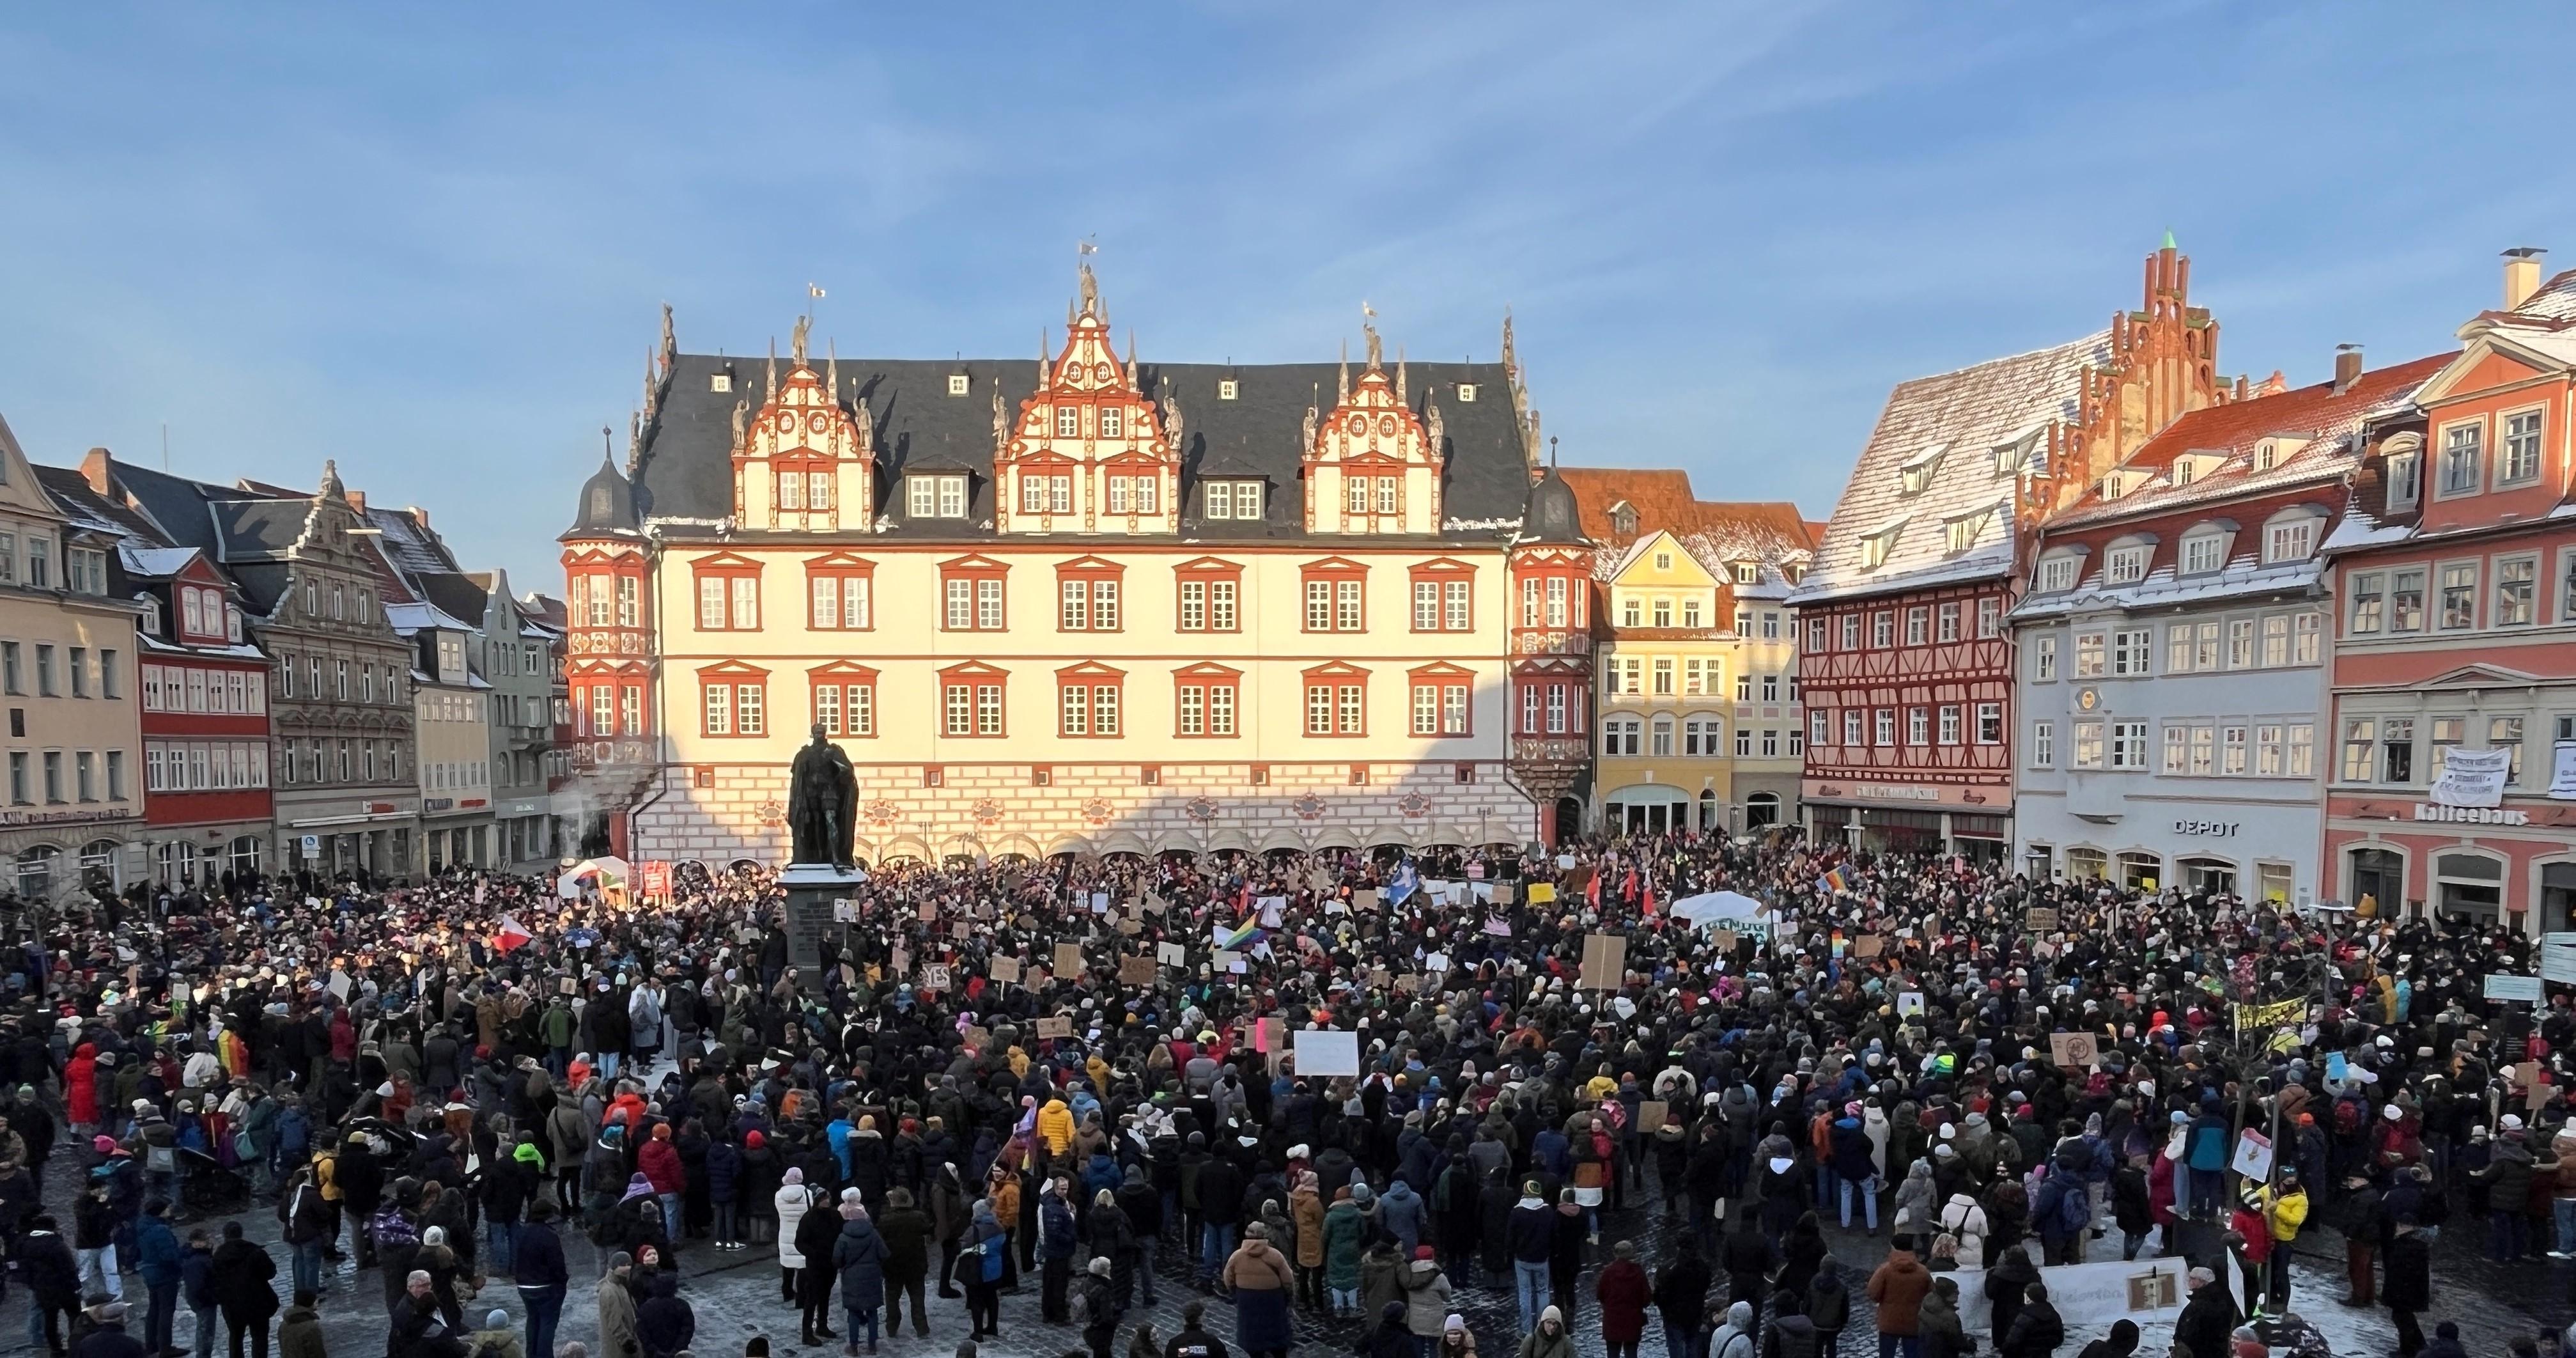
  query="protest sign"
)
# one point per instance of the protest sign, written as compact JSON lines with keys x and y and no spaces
{"x":1605,"y":957}
{"x":1055,"y":1027}
{"x":2253,"y":1157}
{"x":1542,"y":893}
{"x":1136,"y":970}
{"x":1068,"y":959}
{"x":1171,"y":954}
{"x":1324,"y":1051}
{"x":2076,"y":1050}
{"x":2524,"y":989}
{"x":934,"y":976}
{"x":2040,"y":919}
{"x":1868,"y":946}
{"x":1004,"y":969}
{"x":1909,"y":1004}
{"x":1650,"y":1115}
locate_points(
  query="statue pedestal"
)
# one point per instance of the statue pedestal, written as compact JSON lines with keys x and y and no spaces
{"x":814,"y":890}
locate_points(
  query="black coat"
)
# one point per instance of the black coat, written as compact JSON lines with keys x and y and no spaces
{"x":2206,"y":1322}
{"x":2407,"y":1284}
{"x":240,"y":1275}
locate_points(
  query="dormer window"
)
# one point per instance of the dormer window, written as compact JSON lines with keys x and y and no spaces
{"x":2405,"y":463}
{"x":1623,"y":519}
{"x":2274,"y":449}
{"x":1963,"y":531}
{"x":2057,"y":574}
{"x":151,"y":615}
{"x":720,"y":382}
{"x":959,"y":384}
{"x":2124,"y":566}
{"x":1876,"y":544}
{"x":2290,"y":538}
{"x":935,"y":497}
{"x":2204,"y":551}
{"x":1915,"y":476}
{"x":1233,"y":500}
{"x":2119,"y":483}
{"x":2015,"y":454}
{"x":1748,"y":573}
{"x":233,"y":624}
{"x":1225,"y":389}
{"x":1466,"y":393}
{"x":2191,"y":467}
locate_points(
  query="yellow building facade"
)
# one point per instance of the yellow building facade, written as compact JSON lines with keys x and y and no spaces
{"x":1666,"y":675}
{"x":1089,"y":604}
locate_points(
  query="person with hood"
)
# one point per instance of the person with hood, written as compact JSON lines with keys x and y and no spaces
{"x":982,"y":1258}
{"x":1829,"y":1305}
{"x":906,"y":1231}
{"x":1387,"y":1336}
{"x":1736,"y":1338}
{"x":665,"y":1323}
{"x":299,"y":1332}
{"x":1965,"y":1221}
{"x":2007,"y":1283}
{"x":1306,"y":1215}
{"x":1142,"y":1204}
{"x":241,"y":1275}
{"x":1623,"y":1291}
{"x":1681,"y":1298}
{"x":1425,"y":1295}
{"x":1855,"y":1161}
{"x":2507,"y":1179}
{"x":792,"y":1201}
{"x":52,"y":1276}
{"x":1912,"y":1211}
{"x":1495,"y":1204}
{"x":495,"y":1340}
{"x":1791,"y":1334}
{"x":2036,"y":1329}
{"x":1260,"y":1280}
{"x":1897,"y":1289}
{"x":158,"y":1258}
{"x":1551,"y":1339}
{"x":1937,"y":1327}
{"x":1402,"y":1213}
{"x":1345,"y":1233}
{"x":1748,"y":1262}
{"x":859,"y":1255}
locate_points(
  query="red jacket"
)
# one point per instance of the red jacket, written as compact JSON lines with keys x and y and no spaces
{"x":659,"y":1163}
{"x":1624,"y":1292}
{"x":80,"y":1084}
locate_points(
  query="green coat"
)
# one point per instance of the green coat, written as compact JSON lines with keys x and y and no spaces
{"x":1345,"y":1232}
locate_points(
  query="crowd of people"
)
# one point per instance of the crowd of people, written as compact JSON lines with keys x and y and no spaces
{"x":1081,"y":1077}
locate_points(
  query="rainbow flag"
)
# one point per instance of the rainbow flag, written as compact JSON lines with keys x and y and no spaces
{"x":1238,"y":937}
{"x":1832,"y":882}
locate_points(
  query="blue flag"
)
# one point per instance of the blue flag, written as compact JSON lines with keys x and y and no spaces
{"x":1403,"y":883}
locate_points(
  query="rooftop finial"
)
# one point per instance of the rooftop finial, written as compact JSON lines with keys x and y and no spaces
{"x":670,"y":339}
{"x":1511,"y":360}
{"x":2169,"y":240}
{"x":832,"y":368}
{"x":1551,"y":452}
{"x":773,"y":369}
{"x":1342,"y":384}
{"x":1082,"y":250}
{"x":1376,"y":351}
{"x":1399,"y":376}
{"x":607,"y":444}
{"x":796,"y":340}
{"x":331,"y":487}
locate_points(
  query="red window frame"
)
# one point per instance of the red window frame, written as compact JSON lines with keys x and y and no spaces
{"x":1208,"y":679}
{"x":728,"y":567}
{"x":737,"y":677}
{"x":1442,"y":680}
{"x":1091,"y":572}
{"x":1334,"y":572}
{"x":1440,"y":574}
{"x":838,"y":567}
{"x":1335,"y":677}
{"x":843,"y":677}
{"x":1092,"y":677}
{"x":804,"y":466}
{"x":1207,"y":572}
{"x":975,"y":676}
{"x":975,"y":569}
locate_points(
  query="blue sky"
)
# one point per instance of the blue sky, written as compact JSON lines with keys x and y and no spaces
{"x":432,"y":241}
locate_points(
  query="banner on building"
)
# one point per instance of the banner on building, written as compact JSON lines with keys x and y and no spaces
{"x":2558,"y":958}
{"x":2473,"y":778}
{"x":2562,"y":771}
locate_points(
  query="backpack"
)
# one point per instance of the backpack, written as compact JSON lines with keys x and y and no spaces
{"x":995,"y":1251}
{"x":2074,"y":1207}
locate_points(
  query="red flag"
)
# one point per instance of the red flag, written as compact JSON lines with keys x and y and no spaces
{"x":512,"y":937}
{"x":1592,"y":889}
{"x":1650,"y":898}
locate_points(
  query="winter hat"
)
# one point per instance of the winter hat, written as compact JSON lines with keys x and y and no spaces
{"x":1455,"y":1324}
{"x":1425,"y":1252}
{"x":496,"y":1319}
{"x":1100,"y":1265}
{"x":102,"y":1144}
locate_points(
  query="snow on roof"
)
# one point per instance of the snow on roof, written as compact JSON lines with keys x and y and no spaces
{"x":1984,"y":406}
{"x":2244,"y":574}
{"x":158,"y":563}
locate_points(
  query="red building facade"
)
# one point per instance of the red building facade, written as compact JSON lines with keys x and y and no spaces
{"x":204,"y":694}
{"x":1551,"y":656}
{"x":2455,"y":583}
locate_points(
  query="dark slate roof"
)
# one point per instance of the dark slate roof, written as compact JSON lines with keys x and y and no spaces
{"x":1552,"y":514}
{"x":258,"y":530}
{"x":454,"y":595}
{"x":88,"y":509}
{"x":686,"y":470}
{"x":606,"y":506}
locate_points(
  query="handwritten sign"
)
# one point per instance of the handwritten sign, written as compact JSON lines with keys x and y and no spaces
{"x":1605,"y":958}
{"x":1068,"y":959}
{"x":1542,"y":893}
{"x":1172,"y":954}
{"x":2076,"y":1050}
{"x":1055,"y":1027}
{"x":1136,"y":970}
{"x":934,"y":976}
{"x":2040,"y":919}
{"x":1004,"y":969}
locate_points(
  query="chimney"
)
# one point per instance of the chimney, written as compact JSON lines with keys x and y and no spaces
{"x":358,"y":500}
{"x":418,"y":513}
{"x":2521,"y":274}
{"x":99,"y":469}
{"x":2347,"y":367}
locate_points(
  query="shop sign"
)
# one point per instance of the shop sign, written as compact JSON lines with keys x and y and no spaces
{"x":2215,"y":829}
{"x":2471,"y":815}
{"x":1890,"y":792}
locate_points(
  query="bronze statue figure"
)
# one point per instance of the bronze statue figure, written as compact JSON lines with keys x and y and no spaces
{"x":822,"y":804}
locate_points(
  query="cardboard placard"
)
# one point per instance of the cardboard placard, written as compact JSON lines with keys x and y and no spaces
{"x":1869,"y":945}
{"x":1502,"y":893}
{"x":1909,"y":1004}
{"x":902,"y":961}
{"x":1055,"y":1027}
{"x":1605,"y":957}
{"x":1378,"y":977}
{"x":2075,"y":1050}
{"x":1172,"y":954}
{"x":978,"y":1038}
{"x":1650,"y":1115}
{"x":1228,"y":960}
{"x":962,"y":930}
{"x":1723,"y":940}
{"x":2039,"y":919}
{"x":1137,"y":970}
{"x":1130,"y":928}
{"x":928,"y":912}
{"x":1068,"y":959}
{"x":1542,"y":893}
{"x":934,"y":976}
{"x":1005,"y":969}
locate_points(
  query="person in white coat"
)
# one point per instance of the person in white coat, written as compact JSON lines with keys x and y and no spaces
{"x":792,"y":1199}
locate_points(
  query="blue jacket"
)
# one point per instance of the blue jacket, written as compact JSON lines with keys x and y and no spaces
{"x":1055,"y":1228}
{"x":537,"y":1256}
{"x":860,"y":1255}
{"x":724,"y":1165}
{"x":839,"y":1135}
{"x":2208,"y":1145}
{"x":157,"y":1251}
{"x":196,"y":1269}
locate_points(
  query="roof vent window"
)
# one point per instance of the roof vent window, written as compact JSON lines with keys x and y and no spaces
{"x":720,"y":382}
{"x":1225,"y":389}
{"x":1467,"y":393}
{"x":959,"y":384}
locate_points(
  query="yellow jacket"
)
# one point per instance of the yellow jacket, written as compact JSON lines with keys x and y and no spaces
{"x":2286,"y":1211}
{"x":1055,"y":1126}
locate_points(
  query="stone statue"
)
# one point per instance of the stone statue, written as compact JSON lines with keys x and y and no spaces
{"x":797,"y":338}
{"x":822,"y":804}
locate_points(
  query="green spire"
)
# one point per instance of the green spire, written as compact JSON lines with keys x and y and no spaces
{"x":2169,"y":240}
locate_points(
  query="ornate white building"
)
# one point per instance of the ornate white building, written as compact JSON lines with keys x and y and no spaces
{"x":1088,"y":604}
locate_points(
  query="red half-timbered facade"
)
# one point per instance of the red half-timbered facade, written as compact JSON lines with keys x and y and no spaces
{"x":1907,"y":666}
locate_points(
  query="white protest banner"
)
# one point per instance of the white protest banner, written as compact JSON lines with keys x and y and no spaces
{"x":2523,"y":988}
{"x":2146,"y":1292}
{"x":2472,"y":778}
{"x":2562,"y":771}
{"x":1909,"y":1003}
{"x":1324,"y":1051}
{"x":2558,"y":958}
{"x":2253,"y":1157}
